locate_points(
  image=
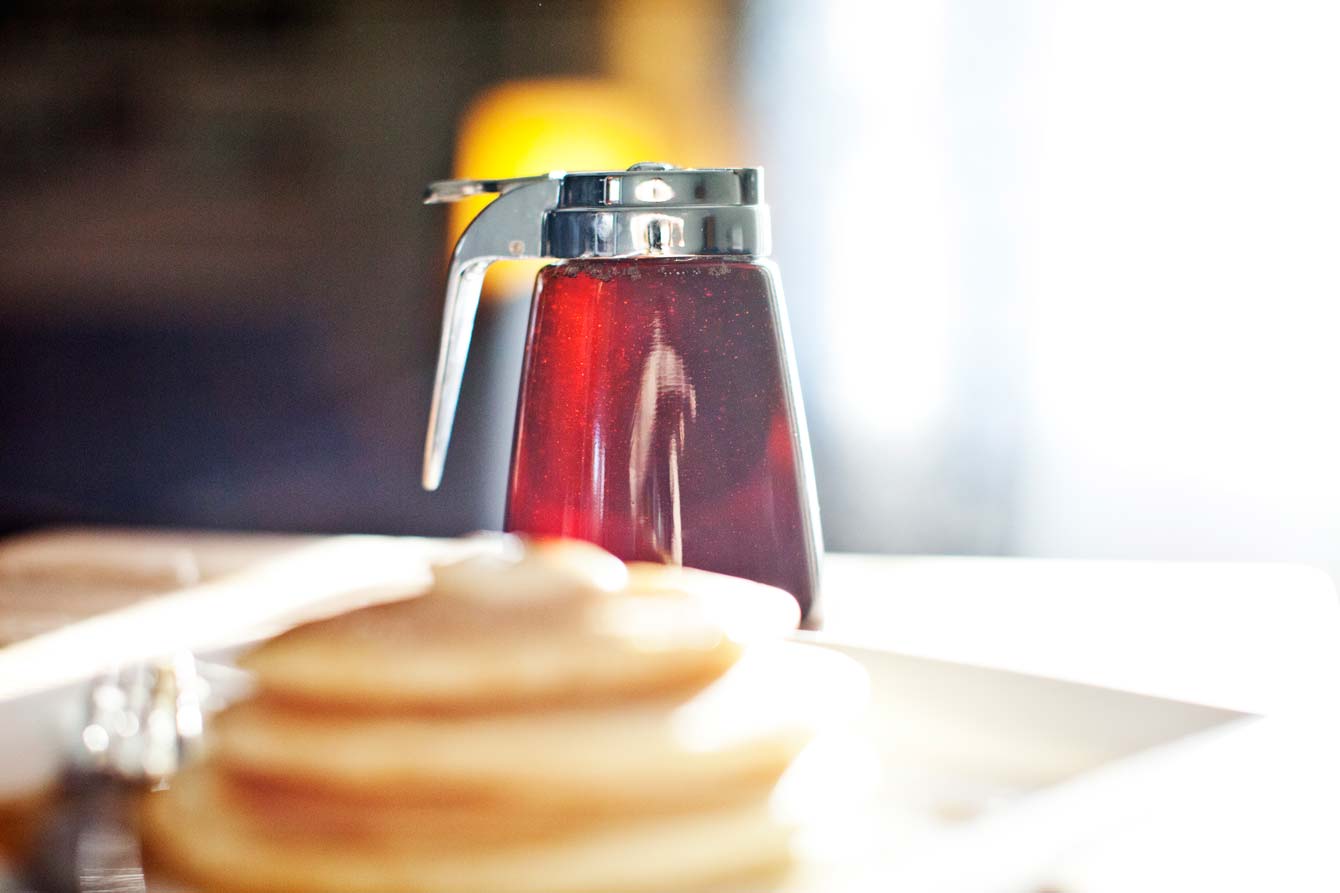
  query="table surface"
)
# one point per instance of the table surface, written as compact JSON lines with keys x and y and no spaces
{"x":1259,"y":813}
{"x":1249,"y":637}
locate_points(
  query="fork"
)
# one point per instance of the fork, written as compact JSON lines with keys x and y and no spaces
{"x":140,"y":723}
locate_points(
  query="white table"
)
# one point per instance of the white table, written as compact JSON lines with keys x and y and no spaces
{"x":1250,"y":637}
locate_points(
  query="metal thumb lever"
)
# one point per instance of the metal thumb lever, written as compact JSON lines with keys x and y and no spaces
{"x":443,"y":191}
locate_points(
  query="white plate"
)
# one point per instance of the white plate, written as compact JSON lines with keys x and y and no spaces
{"x":959,"y":778}
{"x":965,"y":778}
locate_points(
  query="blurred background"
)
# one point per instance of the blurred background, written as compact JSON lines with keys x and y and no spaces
{"x":1062,"y":274}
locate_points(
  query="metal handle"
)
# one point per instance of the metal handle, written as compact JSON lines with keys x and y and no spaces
{"x":510,"y":227}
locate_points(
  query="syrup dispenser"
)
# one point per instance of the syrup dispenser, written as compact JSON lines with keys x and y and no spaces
{"x":659,"y":413}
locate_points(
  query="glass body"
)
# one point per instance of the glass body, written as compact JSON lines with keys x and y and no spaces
{"x":659,"y":417}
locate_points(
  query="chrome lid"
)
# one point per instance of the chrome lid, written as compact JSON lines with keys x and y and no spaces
{"x":650,"y":209}
{"x":662,"y":185}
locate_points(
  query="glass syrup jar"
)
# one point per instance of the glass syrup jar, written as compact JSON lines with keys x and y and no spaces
{"x":659,"y":413}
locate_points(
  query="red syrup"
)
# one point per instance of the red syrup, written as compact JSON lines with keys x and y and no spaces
{"x":655,"y":420}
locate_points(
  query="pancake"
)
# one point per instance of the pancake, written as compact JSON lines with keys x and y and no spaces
{"x":561,"y":623}
{"x":453,"y":820}
{"x":740,"y":731}
{"x":196,"y":837}
{"x":547,"y":719}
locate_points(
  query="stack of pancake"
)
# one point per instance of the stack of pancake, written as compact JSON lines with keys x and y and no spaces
{"x":544,"y":719}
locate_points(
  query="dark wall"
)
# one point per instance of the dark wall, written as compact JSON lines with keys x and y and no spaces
{"x":219,"y":296}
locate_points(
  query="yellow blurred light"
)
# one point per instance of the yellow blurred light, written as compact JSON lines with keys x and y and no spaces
{"x":522,"y":128}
